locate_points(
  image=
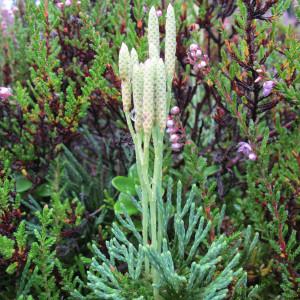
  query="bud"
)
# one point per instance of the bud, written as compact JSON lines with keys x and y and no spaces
{"x":148,"y":96}
{"x":174,"y":138}
{"x":160,"y":95}
{"x":59,"y":5}
{"x":170,"y":123}
{"x":175,"y":110}
{"x":137,"y":89}
{"x":170,"y":44}
{"x":194,"y":47}
{"x":202,"y":64}
{"x":124,"y":62}
{"x":153,"y":34}
{"x":159,"y":13}
{"x":198,"y":53}
{"x":252,"y":156}
{"x":5,"y":92}
{"x":176,"y":146}
{"x":171,"y":130}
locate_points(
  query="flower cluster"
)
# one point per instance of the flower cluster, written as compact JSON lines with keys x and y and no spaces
{"x":246,"y":149}
{"x":61,"y":5}
{"x":198,"y":60}
{"x":175,"y":130}
{"x":7,"y":18}
{"x":268,"y":85}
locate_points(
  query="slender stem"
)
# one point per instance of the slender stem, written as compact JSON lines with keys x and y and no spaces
{"x":139,"y":157}
{"x":157,"y":180}
{"x":159,"y":191}
{"x":141,"y":160}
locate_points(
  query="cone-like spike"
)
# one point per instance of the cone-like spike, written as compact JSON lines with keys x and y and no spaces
{"x":148,"y":96}
{"x":160,"y":95}
{"x":153,"y":34}
{"x":137,"y":88}
{"x":134,"y":59}
{"x":126,"y":95}
{"x":124,"y":63}
{"x":170,"y":44}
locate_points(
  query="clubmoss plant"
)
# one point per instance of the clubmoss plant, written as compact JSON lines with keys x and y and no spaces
{"x":151,"y":84}
{"x":173,"y":264}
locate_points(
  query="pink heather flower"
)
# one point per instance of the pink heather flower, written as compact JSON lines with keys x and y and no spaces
{"x":68,"y":2}
{"x":14,"y":9}
{"x":8,"y":17}
{"x":268,"y":87}
{"x":176,"y":146}
{"x":226,"y":24}
{"x":174,"y":138}
{"x":197,"y":59}
{"x":159,"y":13}
{"x":170,"y":123}
{"x":59,"y":5}
{"x":288,"y":19}
{"x":5,"y":92}
{"x":194,"y":47}
{"x":244,"y":148}
{"x":175,"y":110}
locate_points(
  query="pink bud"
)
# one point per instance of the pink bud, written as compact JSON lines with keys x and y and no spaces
{"x":170,"y":123}
{"x":59,"y":5}
{"x":68,"y":2}
{"x":5,"y":92}
{"x":259,"y":78}
{"x":252,"y":156}
{"x":194,"y":47}
{"x":158,"y":13}
{"x":175,"y":110}
{"x":176,"y":146}
{"x":171,"y":130}
{"x":202,"y":64}
{"x":174,"y":138}
{"x":198,"y":53}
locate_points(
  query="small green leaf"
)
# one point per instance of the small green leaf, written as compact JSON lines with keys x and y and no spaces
{"x":210,"y":170}
{"x":6,"y":247}
{"x":124,"y":184}
{"x":22,"y":184}
{"x":12,"y":268}
{"x":133,"y":173}
{"x":43,"y":190}
{"x":125,"y":199}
